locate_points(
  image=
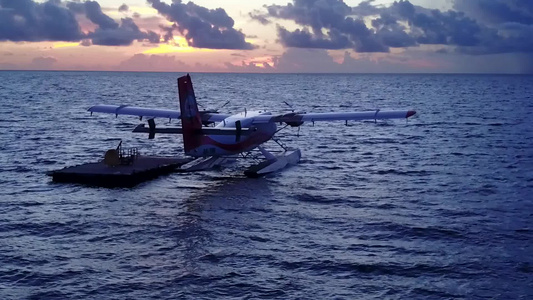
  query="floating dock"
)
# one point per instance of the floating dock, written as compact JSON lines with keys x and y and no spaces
{"x":138,"y":169}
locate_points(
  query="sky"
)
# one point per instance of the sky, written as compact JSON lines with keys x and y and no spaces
{"x":271,"y":36}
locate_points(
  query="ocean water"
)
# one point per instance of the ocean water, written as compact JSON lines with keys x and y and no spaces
{"x":439,"y":207}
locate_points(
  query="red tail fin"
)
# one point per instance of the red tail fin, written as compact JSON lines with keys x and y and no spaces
{"x":190,"y":117}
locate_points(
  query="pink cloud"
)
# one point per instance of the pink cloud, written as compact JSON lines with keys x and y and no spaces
{"x":43,"y":63}
{"x":148,"y":63}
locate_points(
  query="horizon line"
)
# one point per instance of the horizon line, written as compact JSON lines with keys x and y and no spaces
{"x":282,"y":73}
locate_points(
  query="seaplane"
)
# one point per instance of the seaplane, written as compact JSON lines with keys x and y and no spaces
{"x":213,"y":138}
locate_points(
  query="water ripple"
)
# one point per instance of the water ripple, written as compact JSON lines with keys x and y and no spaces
{"x":434,"y":208}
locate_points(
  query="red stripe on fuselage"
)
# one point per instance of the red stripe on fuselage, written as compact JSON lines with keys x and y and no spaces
{"x":248,"y":144}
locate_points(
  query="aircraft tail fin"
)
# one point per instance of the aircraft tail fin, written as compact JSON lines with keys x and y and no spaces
{"x":190,"y":116}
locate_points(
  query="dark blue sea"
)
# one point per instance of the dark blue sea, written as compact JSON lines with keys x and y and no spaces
{"x":439,"y":207}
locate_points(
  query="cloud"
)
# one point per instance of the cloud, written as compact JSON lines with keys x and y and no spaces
{"x":250,"y":67}
{"x":202,"y":27}
{"x":259,"y":17}
{"x":109,"y":32}
{"x":25,"y":20}
{"x":433,"y":26}
{"x":123,"y":35}
{"x":150,"y":63}
{"x":498,"y":11}
{"x":507,"y":26}
{"x":365,"y":9}
{"x":509,"y":38}
{"x":320,"y":61}
{"x":393,"y":36}
{"x":481,"y":27}
{"x":317,"y":14}
{"x":124,"y":8}
{"x":86,"y":42}
{"x":43,"y":62}
{"x":93,"y":11}
{"x":292,"y":60}
{"x":54,"y":20}
{"x":343,"y":31}
{"x":306,"y":61}
{"x":305,"y":39}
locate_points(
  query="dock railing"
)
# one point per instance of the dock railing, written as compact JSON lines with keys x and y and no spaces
{"x":127,"y":156}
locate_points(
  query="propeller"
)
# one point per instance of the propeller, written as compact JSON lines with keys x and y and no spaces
{"x":211,"y":111}
{"x":289,"y":105}
{"x":214,"y":110}
{"x":223,"y":105}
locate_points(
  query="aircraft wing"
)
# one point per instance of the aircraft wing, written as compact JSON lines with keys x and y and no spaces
{"x":151,"y":112}
{"x":299,"y":118}
{"x":135,"y":111}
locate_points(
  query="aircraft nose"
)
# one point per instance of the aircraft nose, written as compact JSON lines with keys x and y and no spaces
{"x":410,"y":113}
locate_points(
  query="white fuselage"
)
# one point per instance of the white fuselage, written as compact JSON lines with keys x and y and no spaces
{"x":219,"y":145}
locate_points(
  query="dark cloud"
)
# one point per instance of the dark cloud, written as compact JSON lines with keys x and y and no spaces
{"x":259,"y":17}
{"x":343,"y":31}
{"x":395,"y":37}
{"x":404,"y":9}
{"x":507,"y":26}
{"x":430,"y":27}
{"x":109,"y":32}
{"x":202,"y":27}
{"x":498,"y":11}
{"x":449,"y":28}
{"x":510,"y":38}
{"x":25,"y":20}
{"x":365,"y":9}
{"x":474,"y":27}
{"x":216,"y":17}
{"x":305,"y":39}
{"x":317,"y":14}
{"x":54,"y":20}
{"x":93,"y":11}
{"x":168,"y":31}
{"x":124,"y":8}
{"x":123,"y":35}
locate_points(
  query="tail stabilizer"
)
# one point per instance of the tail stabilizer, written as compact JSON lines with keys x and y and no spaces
{"x":190,"y":116}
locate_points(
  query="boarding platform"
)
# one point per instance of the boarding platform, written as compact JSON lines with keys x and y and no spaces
{"x":119,"y":168}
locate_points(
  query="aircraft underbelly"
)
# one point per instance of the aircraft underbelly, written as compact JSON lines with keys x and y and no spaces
{"x":219,"y":145}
